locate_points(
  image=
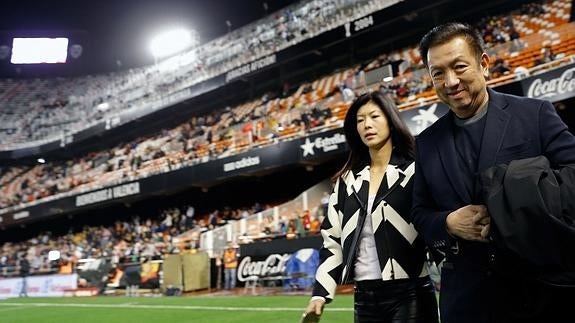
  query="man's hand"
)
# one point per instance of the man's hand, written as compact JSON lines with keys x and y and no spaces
{"x":471,"y":222}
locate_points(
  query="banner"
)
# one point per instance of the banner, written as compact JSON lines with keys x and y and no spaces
{"x":286,"y":153}
{"x":320,"y":145}
{"x":251,"y":67}
{"x":39,"y":286}
{"x":294,"y":271}
{"x":108,"y":194}
{"x":313,"y":148}
{"x":418,"y":119}
{"x":554,"y":85}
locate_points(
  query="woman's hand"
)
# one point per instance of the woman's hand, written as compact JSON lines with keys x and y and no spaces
{"x":315,"y":306}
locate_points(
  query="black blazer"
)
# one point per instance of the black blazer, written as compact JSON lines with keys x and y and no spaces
{"x":515,"y":128}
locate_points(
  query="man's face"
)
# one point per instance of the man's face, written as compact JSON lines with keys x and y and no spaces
{"x":458,"y":76}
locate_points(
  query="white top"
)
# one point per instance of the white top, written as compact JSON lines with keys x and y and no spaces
{"x":367,"y":263}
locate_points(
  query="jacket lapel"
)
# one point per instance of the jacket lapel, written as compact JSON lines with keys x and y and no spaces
{"x":446,"y":149}
{"x":361,"y":184}
{"x":395,"y":172}
{"x":495,"y":128}
{"x":357,"y":184}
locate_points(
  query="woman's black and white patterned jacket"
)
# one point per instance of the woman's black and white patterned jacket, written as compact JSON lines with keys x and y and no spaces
{"x":401,"y":251}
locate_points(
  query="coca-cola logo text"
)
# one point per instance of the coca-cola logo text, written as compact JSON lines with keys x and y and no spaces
{"x":563,"y":84}
{"x":273,"y":265}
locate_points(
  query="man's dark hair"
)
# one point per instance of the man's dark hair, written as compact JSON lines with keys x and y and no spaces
{"x":443,"y":33}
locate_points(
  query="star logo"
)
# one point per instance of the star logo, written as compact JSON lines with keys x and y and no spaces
{"x":425,"y":118}
{"x":307,"y":147}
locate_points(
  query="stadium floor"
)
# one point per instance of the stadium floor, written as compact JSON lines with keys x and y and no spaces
{"x":234,"y":307}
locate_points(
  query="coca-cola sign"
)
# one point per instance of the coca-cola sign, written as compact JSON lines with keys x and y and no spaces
{"x":555,"y":85}
{"x":273,"y":265}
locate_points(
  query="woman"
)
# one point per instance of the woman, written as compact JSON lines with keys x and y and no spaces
{"x":367,"y":235}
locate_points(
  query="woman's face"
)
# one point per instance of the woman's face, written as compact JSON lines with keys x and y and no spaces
{"x":372,"y":126}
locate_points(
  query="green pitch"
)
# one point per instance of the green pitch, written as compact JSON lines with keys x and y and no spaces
{"x":200,"y":309}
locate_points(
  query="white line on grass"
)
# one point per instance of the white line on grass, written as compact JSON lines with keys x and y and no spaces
{"x":176,"y":307}
{"x":11,"y":308}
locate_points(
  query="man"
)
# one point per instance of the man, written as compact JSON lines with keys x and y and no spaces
{"x":484,"y":128}
{"x":24,"y":265}
{"x":230,"y":266}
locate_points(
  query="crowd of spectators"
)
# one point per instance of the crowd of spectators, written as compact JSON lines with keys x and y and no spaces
{"x":218,"y":134}
{"x":101,"y":254}
{"x":200,"y":139}
{"x":504,"y":36}
{"x":175,"y":230}
{"x":230,"y":130}
{"x":203,"y":137}
{"x":43,"y":110}
{"x":272,"y":117}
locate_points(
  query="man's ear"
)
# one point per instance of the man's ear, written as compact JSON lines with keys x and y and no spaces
{"x":485,"y":64}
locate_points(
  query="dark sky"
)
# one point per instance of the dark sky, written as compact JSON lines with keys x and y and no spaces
{"x":116,"y":33}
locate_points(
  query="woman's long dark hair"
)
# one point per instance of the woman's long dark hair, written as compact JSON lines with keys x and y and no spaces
{"x":401,"y":137}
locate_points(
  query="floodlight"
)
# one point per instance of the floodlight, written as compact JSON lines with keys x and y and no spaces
{"x":171,"y":42}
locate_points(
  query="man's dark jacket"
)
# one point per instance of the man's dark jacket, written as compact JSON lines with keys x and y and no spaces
{"x":532,"y":208}
{"x":515,"y":128}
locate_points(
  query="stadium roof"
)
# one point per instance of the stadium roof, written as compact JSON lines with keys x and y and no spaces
{"x":116,"y":33}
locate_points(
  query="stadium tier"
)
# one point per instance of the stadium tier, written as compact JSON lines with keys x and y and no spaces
{"x":235,"y":139}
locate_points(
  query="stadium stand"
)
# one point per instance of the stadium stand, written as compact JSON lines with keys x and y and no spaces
{"x":38,"y":111}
